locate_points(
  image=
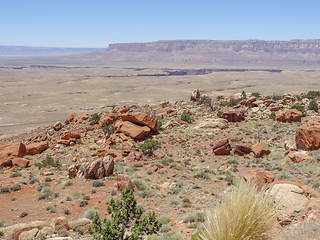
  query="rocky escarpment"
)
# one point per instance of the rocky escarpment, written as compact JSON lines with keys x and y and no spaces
{"x":293,"y":52}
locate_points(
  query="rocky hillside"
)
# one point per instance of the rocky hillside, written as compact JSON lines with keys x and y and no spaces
{"x":293,"y":52}
{"x":180,"y":159}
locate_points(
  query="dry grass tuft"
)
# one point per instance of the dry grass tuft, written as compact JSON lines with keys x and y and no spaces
{"x":310,"y":230}
{"x":245,"y":214}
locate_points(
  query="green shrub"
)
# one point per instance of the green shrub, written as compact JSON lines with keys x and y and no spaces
{"x":159,"y":125}
{"x":95,"y":119}
{"x":272,"y":115}
{"x":186,"y":117}
{"x":299,"y":108}
{"x":165,"y":228}
{"x":219,"y":97}
{"x":125,"y":218}
{"x":140,"y":184}
{"x":16,"y":187}
{"x":312,"y":95}
{"x":204,"y":100}
{"x":98,"y":183}
{"x":63,"y":232}
{"x":4,"y":189}
{"x":83,"y":203}
{"x":108,"y":128}
{"x":1,"y":234}
{"x":313,"y":106}
{"x":232,"y":103}
{"x":245,"y":213}
{"x":23,"y":214}
{"x":244,"y":95}
{"x":15,"y":174}
{"x":164,"y":219}
{"x":256,"y":94}
{"x":48,"y":161}
{"x":219,"y":113}
{"x":50,"y":195}
{"x":186,"y":202}
{"x":149,"y":146}
{"x":50,"y":209}
{"x":90,"y":213}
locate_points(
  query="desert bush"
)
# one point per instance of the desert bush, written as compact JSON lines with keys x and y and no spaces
{"x":50,"y":209}
{"x":95,"y":119}
{"x":67,"y":183}
{"x":299,"y":108}
{"x":186,"y":202}
{"x":204,"y":100}
{"x":312,"y":94}
{"x":113,"y":192}
{"x":4,"y":189}
{"x":15,"y":174}
{"x":83,"y":203}
{"x":149,"y":146}
{"x":146,"y":193}
{"x":33,"y":180}
{"x":219,"y":97}
{"x":47,"y":179}
{"x":98,"y":183}
{"x":16,"y":187}
{"x":166,"y":161}
{"x":48,"y":161}
{"x":140,"y":184}
{"x":1,"y":234}
{"x":186,"y":117}
{"x":159,"y":125}
{"x":232,"y":103}
{"x":272,"y":115}
{"x":245,"y":213}
{"x":67,"y":211}
{"x":165,"y":228}
{"x":219,"y":113}
{"x":108,"y":128}
{"x":91,"y":212}
{"x":313,"y":106}
{"x":125,"y":218}
{"x":86,"y":197}
{"x":49,"y":195}
{"x":256,"y":94}
{"x":164,"y":219}
{"x":63,"y":232}
{"x":23,"y":214}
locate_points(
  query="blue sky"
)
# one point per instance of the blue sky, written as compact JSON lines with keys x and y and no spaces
{"x":95,"y":23}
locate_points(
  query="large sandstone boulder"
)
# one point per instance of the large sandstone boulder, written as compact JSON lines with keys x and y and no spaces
{"x":234,"y":115}
{"x":75,"y":170}
{"x":38,"y":147}
{"x":27,"y":235}
{"x":308,"y":135}
{"x":291,"y":199}
{"x":298,"y":156}
{"x":20,"y":162}
{"x":141,"y":118}
{"x":216,"y":124}
{"x":100,"y":168}
{"x":222,"y":147}
{"x":72,"y":118}
{"x":195,"y":94}
{"x":9,"y":151}
{"x":260,"y":149}
{"x":13,"y":232}
{"x":132,"y":130}
{"x":289,"y":115}
{"x":123,"y":182}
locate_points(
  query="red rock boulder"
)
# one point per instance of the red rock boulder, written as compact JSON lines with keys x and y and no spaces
{"x":131,"y":155}
{"x":195,"y":94}
{"x":110,"y":117}
{"x":308,"y":135}
{"x":141,"y":118}
{"x":260,"y":179}
{"x":222,"y":147}
{"x":132,"y":130}
{"x":38,"y":147}
{"x":100,"y":168}
{"x":123,"y":182}
{"x":234,"y":115}
{"x":72,"y":118}
{"x":241,"y":149}
{"x":260,"y":149}
{"x":289,"y":115}
{"x":20,"y":162}
{"x":10,"y":151}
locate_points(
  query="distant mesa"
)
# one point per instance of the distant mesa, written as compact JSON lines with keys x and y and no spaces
{"x":259,"y":52}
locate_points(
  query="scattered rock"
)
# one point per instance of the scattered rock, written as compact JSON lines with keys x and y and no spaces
{"x":234,"y":115}
{"x":100,"y":168}
{"x":241,"y":149}
{"x":36,"y":148}
{"x":103,"y":152}
{"x":308,"y":135}
{"x":260,"y":149}
{"x":72,"y":118}
{"x":289,"y":115}
{"x":131,"y":155}
{"x":10,"y":151}
{"x":195,"y":94}
{"x":57,"y":126}
{"x":298,"y":156}
{"x":261,"y":179}
{"x":222,"y":147}
{"x":123,"y":182}
{"x":216,"y":124}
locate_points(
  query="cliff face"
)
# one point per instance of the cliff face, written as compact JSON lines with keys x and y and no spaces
{"x":293,"y":52}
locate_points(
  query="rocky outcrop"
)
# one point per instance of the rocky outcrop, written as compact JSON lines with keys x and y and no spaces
{"x":289,"y":115}
{"x":233,"y":115}
{"x":195,"y":94}
{"x":10,"y":151}
{"x":109,"y":117}
{"x":100,"y":168}
{"x":260,"y":149}
{"x":308,"y":135}
{"x":38,"y":147}
{"x":118,"y":138}
{"x":298,"y":156}
{"x":222,"y":147}
{"x":132,"y":130}
{"x":59,"y":223}
{"x":72,"y":118}
{"x":69,"y":138}
{"x":13,"y":232}
{"x":214,"y":124}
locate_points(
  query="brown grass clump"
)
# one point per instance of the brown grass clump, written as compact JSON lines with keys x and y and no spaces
{"x":245,"y":214}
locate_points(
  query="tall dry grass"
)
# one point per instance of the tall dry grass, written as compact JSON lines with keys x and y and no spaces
{"x":245,"y":214}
